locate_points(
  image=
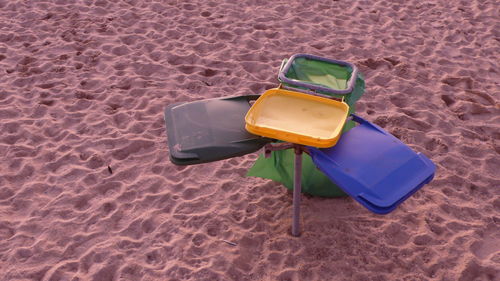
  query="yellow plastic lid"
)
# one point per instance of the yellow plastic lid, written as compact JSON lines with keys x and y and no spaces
{"x":297,"y":117}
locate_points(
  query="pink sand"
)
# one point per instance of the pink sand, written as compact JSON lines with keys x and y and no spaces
{"x":83,"y":87}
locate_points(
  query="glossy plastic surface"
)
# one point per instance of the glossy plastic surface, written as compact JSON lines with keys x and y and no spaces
{"x":298,"y":118}
{"x":210,"y":130}
{"x":374,"y":167}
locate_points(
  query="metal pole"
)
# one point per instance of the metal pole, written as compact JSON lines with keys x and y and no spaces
{"x":297,"y":186}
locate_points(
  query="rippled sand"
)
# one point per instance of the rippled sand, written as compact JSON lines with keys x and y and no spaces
{"x":87,"y":191}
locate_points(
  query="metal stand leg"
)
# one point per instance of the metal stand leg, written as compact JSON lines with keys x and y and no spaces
{"x":297,"y":180}
{"x":297,"y":186}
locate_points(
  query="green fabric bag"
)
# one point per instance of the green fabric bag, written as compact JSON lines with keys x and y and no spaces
{"x":319,"y":72}
{"x":280,"y":166}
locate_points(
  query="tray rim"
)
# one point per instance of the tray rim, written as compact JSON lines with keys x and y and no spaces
{"x":285,"y":135}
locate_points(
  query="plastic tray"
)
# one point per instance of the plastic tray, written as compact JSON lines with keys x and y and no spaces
{"x":209,"y":130}
{"x":298,"y":118}
{"x":374,"y":167}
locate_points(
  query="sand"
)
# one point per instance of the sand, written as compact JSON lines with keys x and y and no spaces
{"x":87,"y":191}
